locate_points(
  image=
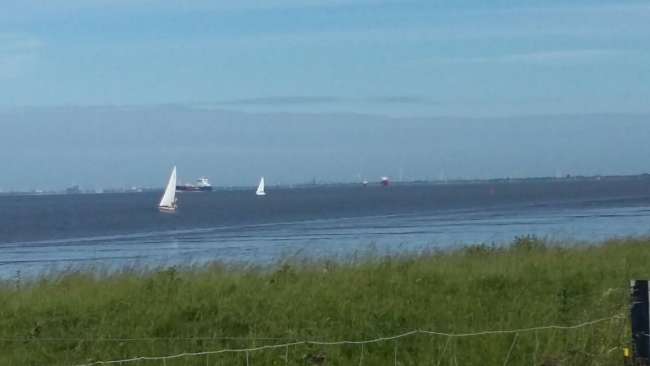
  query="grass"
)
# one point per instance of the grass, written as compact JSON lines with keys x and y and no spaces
{"x":81,"y":317}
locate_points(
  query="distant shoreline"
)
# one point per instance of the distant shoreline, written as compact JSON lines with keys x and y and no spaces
{"x":459,"y":181}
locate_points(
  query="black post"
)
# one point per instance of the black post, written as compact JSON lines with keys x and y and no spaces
{"x":640,"y":321}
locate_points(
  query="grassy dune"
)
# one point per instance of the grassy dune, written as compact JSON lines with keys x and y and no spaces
{"x":81,"y":317}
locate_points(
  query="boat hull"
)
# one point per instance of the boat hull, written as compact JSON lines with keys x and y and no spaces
{"x":167,"y":209}
{"x":193,"y":189}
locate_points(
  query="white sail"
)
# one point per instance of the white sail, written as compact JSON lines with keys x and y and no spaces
{"x":260,"y":188}
{"x":168,"y":199}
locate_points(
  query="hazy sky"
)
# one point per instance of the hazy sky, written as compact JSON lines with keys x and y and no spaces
{"x":430,"y":57}
{"x":113,"y":92}
{"x":117,"y":147}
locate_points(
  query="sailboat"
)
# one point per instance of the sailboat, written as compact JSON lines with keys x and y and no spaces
{"x":168,"y":200}
{"x":260,"y":188}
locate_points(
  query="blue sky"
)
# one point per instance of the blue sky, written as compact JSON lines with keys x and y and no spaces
{"x":109,"y":93}
{"x":467,"y":57}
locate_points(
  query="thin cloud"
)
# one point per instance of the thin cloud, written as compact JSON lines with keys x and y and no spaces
{"x":282,"y":100}
{"x":33,"y":9}
{"x":17,"y":53}
{"x":465,"y":23}
{"x":14,"y":43}
{"x":563,"y":56}
{"x":549,"y":57}
{"x":403,"y":99}
{"x":324,"y":100}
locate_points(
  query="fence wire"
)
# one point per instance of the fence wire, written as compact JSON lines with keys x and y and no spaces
{"x":287,"y":345}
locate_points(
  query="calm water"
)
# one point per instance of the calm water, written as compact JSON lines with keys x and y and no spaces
{"x":49,"y":233}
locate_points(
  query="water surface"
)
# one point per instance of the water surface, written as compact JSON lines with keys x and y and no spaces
{"x":45,"y":233}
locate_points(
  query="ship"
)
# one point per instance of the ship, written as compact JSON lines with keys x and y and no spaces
{"x":202,"y":185}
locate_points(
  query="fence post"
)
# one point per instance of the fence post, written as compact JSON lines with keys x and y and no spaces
{"x":640,"y":322}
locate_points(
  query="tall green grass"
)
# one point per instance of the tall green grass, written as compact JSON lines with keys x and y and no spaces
{"x":76,"y":318}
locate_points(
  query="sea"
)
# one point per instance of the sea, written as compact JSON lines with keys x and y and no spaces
{"x":42,"y":235}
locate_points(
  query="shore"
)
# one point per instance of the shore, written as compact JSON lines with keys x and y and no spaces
{"x":82,"y":317}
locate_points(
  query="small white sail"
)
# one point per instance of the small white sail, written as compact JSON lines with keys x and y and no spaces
{"x":260,"y":188}
{"x":168,"y":200}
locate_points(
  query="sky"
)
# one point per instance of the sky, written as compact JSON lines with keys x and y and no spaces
{"x":99,"y":147}
{"x":431,"y":57}
{"x":113,"y":93}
